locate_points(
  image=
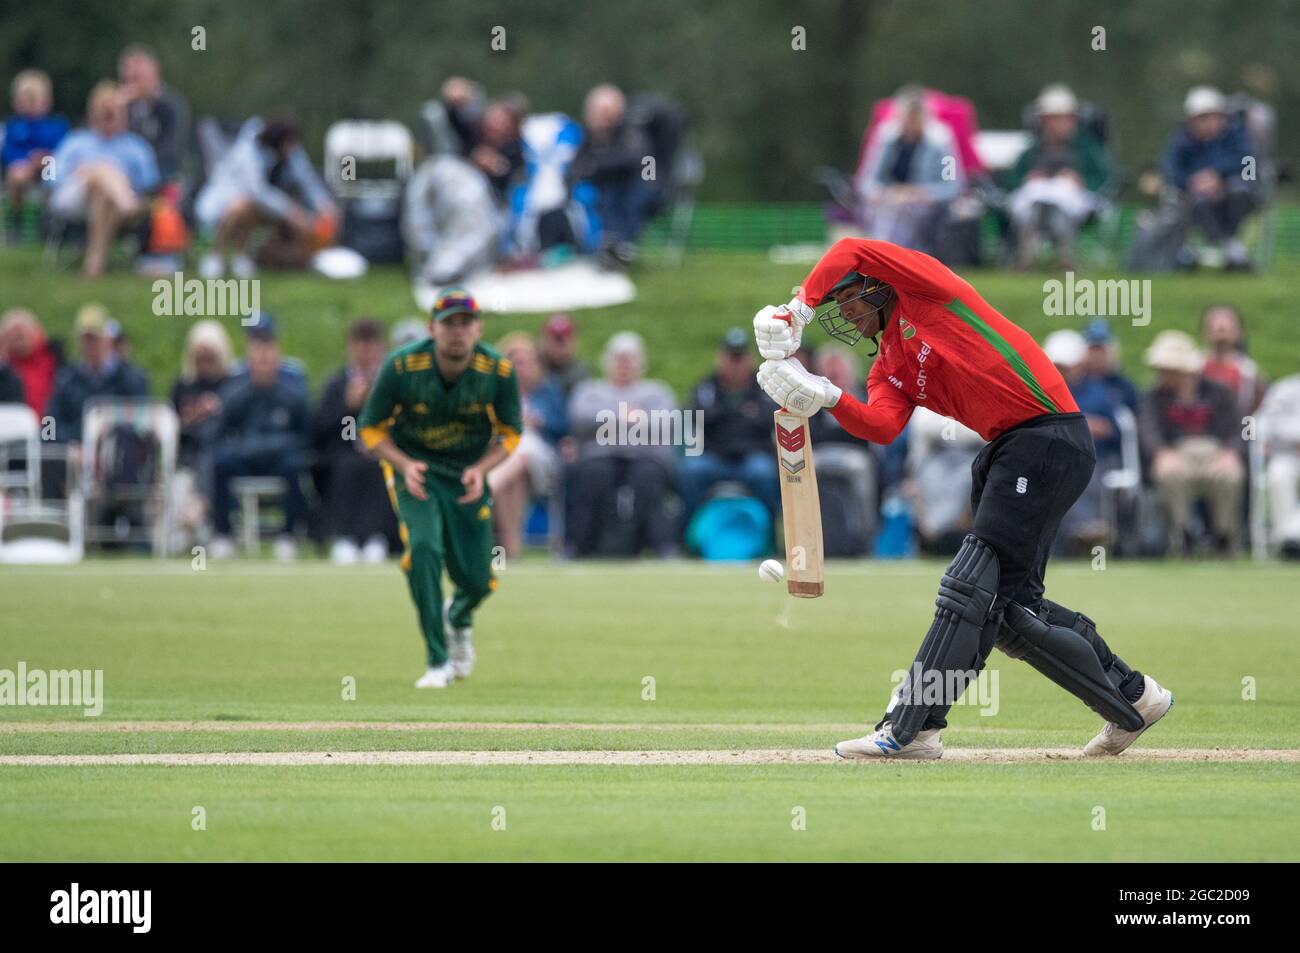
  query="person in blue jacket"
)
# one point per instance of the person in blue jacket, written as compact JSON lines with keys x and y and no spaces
{"x":1207,"y":161}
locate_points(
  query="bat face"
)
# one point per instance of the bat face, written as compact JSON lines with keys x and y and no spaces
{"x":800,"y":506}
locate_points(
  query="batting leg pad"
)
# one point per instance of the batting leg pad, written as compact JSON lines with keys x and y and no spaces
{"x":966,"y":620}
{"x":1067,"y":656}
{"x":1129,"y":681}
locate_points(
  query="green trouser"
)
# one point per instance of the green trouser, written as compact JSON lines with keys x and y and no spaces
{"x":440,"y":533}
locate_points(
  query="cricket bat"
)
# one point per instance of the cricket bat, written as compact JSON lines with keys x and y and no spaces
{"x":800,"y":506}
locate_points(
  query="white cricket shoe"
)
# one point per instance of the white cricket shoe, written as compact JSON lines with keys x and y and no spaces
{"x":344,"y":552}
{"x":439,"y":676}
{"x":375,"y":551}
{"x":1152,"y":706}
{"x":882,"y":744}
{"x":212,"y":265}
{"x":285,"y":549}
{"x":242,"y":266}
{"x":220,"y":547}
{"x":460,"y":643}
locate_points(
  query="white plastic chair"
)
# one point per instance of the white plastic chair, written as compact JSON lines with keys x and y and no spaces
{"x":1125,"y":480}
{"x":20,"y":425}
{"x":1257,"y":460}
{"x":161,"y":421}
{"x":383,"y":154}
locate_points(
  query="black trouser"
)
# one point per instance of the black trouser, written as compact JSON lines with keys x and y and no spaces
{"x":1220,"y":217}
{"x":600,"y":526}
{"x":1023,"y":484}
{"x":357,"y":506}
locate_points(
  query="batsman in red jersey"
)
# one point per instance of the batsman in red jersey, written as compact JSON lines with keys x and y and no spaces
{"x":942,"y":346}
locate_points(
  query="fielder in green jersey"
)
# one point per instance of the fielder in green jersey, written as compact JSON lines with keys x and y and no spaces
{"x":442,"y":413}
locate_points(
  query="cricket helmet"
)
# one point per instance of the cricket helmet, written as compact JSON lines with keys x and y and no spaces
{"x":875,"y":294}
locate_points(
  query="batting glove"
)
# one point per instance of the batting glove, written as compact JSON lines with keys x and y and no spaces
{"x":778,"y":329}
{"x":795,"y":389}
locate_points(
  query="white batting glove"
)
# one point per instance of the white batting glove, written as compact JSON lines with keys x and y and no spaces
{"x":795,"y":389}
{"x":777,"y":330}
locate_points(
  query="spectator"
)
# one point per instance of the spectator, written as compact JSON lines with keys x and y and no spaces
{"x":30,"y":135}
{"x":621,"y":488}
{"x":358,"y":513}
{"x":1226,"y":361}
{"x":196,"y":395}
{"x":103,"y":174}
{"x":462,"y":103}
{"x":847,"y":468}
{"x":1189,"y":431}
{"x":499,"y":150}
{"x":1084,"y":526}
{"x":1056,"y":179}
{"x":265,"y":178}
{"x":940,"y":452}
{"x":1203,"y":162}
{"x":32,"y":357}
{"x":558,"y":349}
{"x":262,"y":431}
{"x":155,"y":111}
{"x":450,"y":219}
{"x":1101,"y":364}
{"x":292,"y":373}
{"x":839,"y":365}
{"x":534,"y":468}
{"x":737,"y":419}
{"x":611,"y":159}
{"x":1279,"y":422}
{"x":99,"y":373}
{"x":911,"y":176}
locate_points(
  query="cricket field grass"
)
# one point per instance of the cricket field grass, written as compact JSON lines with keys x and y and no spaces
{"x":659,"y":711}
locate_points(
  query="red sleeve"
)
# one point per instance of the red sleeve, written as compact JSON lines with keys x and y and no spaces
{"x":883,"y":417}
{"x":909,"y":272}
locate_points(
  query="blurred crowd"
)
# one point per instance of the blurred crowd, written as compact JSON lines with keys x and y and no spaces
{"x":1171,"y":477}
{"x":926,"y":179}
{"x":497,"y":184}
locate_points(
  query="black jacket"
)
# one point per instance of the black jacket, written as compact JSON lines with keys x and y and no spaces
{"x":257,"y":421}
{"x":11,"y":386}
{"x":736,"y":423}
{"x":327,"y":421}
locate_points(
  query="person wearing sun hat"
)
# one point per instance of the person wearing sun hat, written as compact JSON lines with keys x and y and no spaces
{"x":1205,"y":160}
{"x":443,"y":412}
{"x":1190,"y":431}
{"x":99,"y":373}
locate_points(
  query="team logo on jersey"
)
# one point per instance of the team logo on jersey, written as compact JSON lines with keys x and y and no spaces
{"x":907,"y":329}
{"x":1022,"y":485}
